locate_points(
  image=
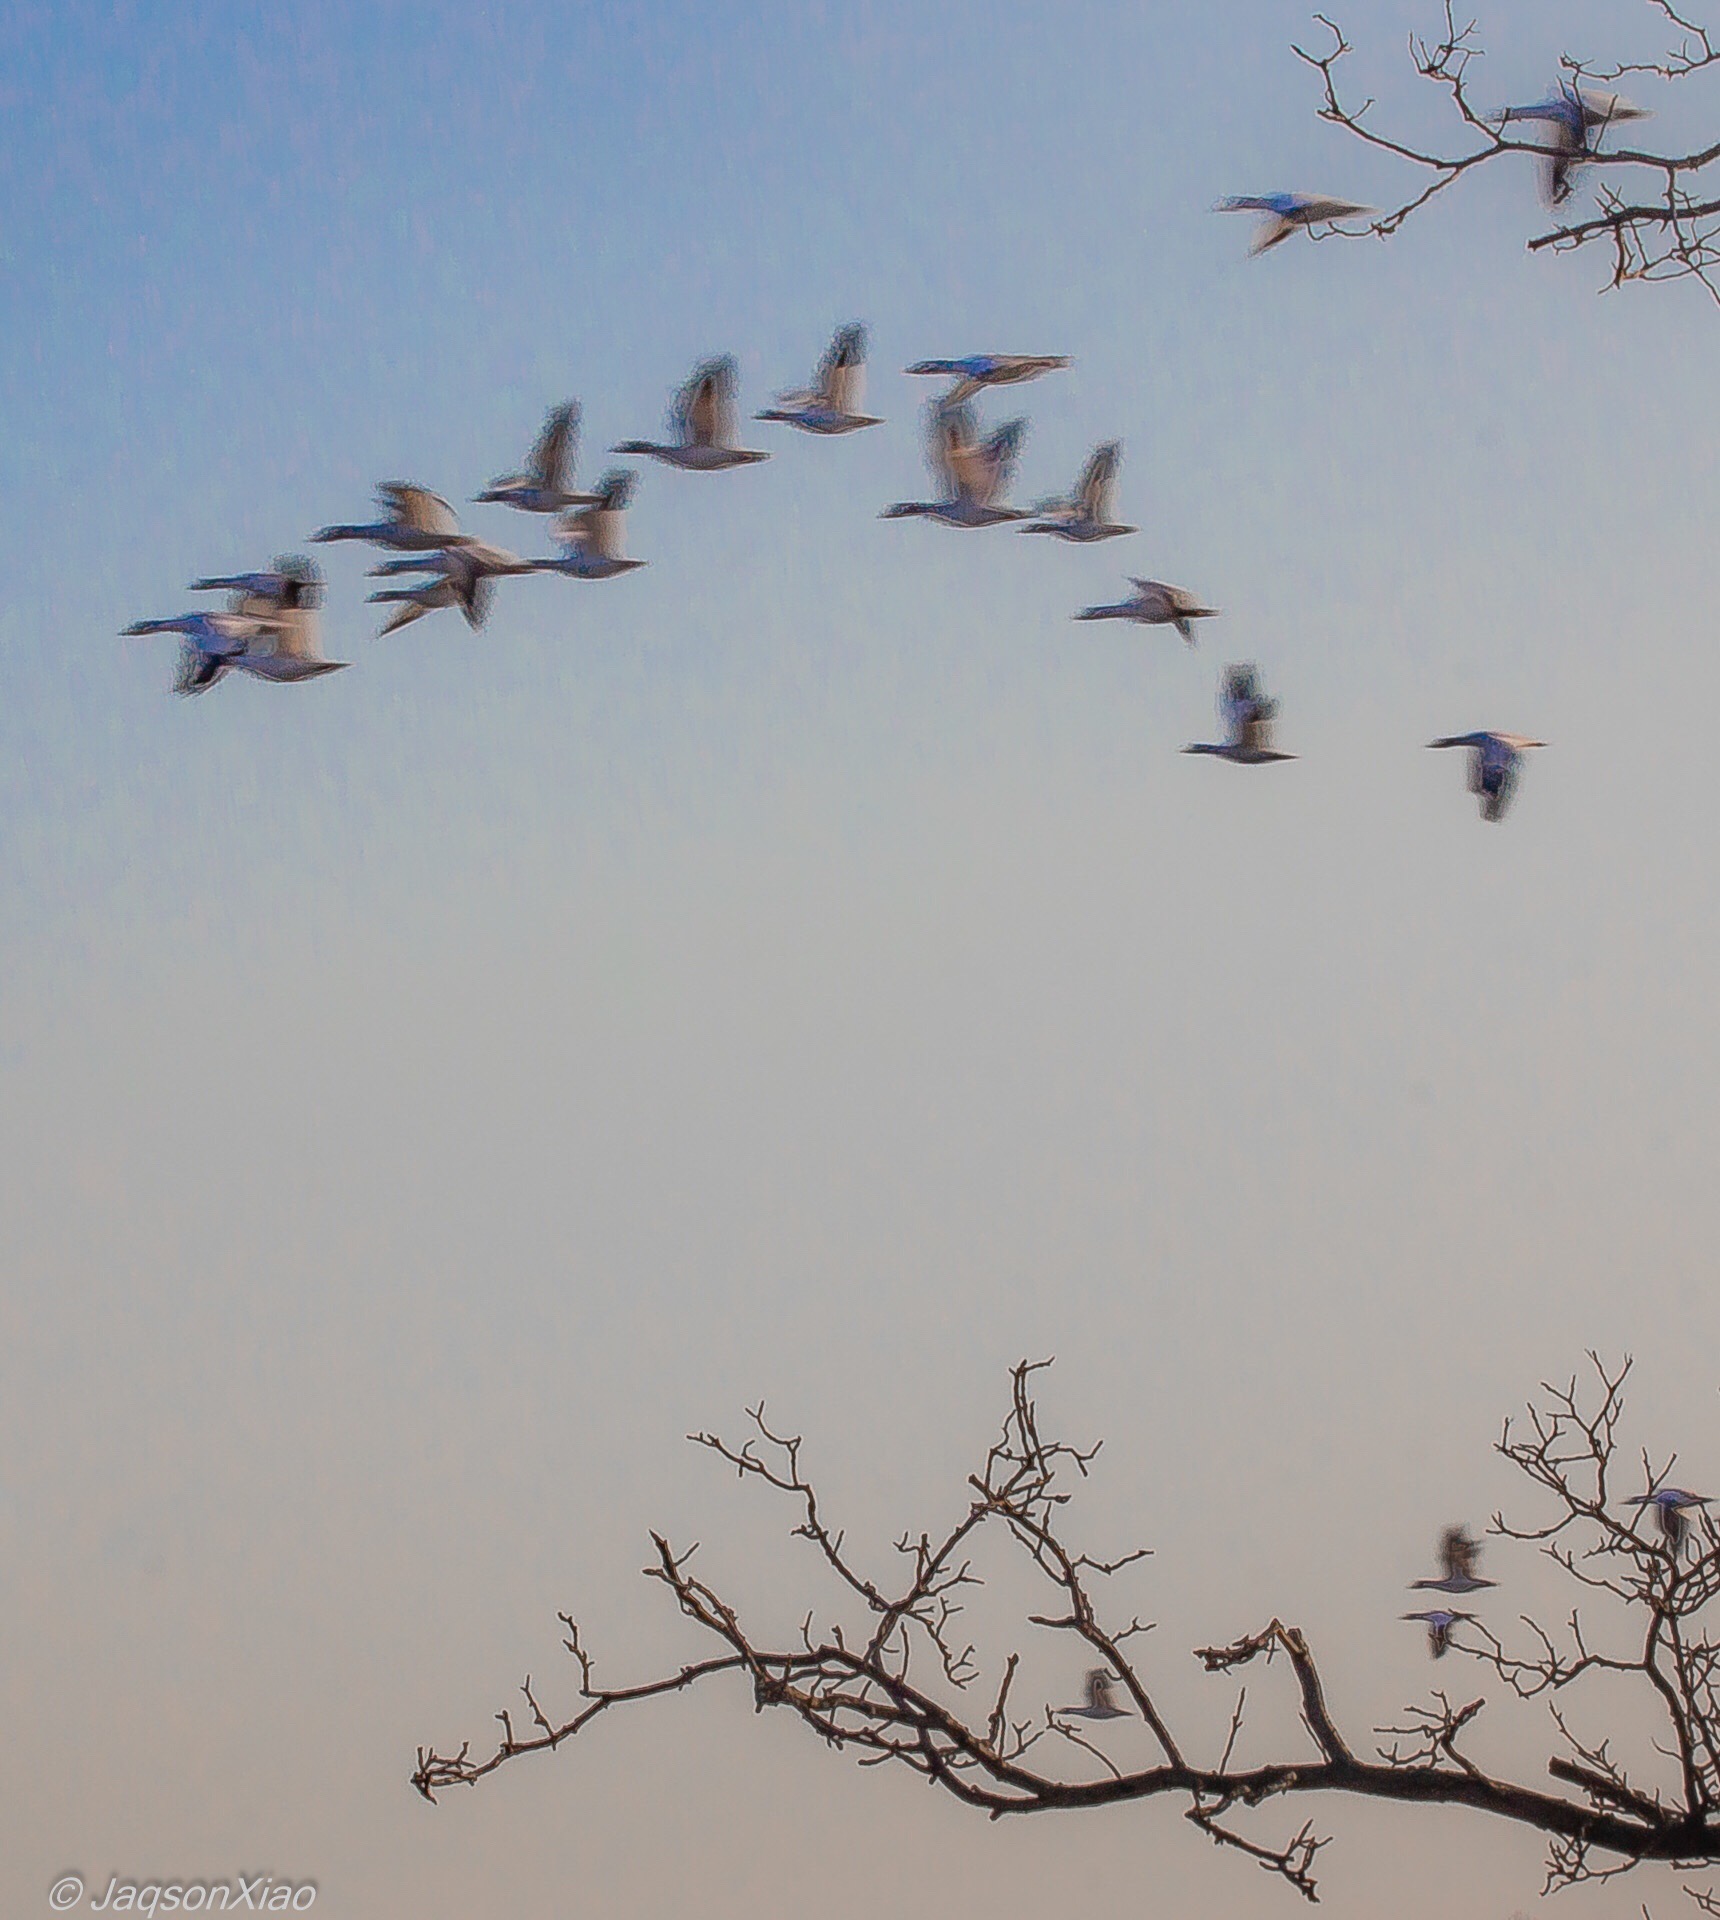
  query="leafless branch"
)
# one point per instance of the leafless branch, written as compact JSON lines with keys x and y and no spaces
{"x":1671,"y":232}
{"x":862,"y":1682}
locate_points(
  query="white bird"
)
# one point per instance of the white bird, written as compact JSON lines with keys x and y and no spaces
{"x":702,"y":419}
{"x":1086,"y":514}
{"x":213,"y":643}
{"x":832,"y":403}
{"x":270,"y":629}
{"x":1154,"y":603}
{"x":464,"y":577}
{"x":544,"y":484}
{"x":1288,"y":212}
{"x":418,"y":521}
{"x":1458,"y":1554}
{"x":1495,"y":762}
{"x":591,"y":540}
{"x":976,"y":473}
{"x":979,"y":370}
{"x":1577,"y":116}
{"x":1248,"y":717}
{"x":1101,"y":1703}
{"x":1672,"y":1507}
{"x":1440,"y":1621}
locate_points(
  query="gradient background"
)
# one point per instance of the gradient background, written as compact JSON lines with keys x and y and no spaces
{"x":806,"y":967}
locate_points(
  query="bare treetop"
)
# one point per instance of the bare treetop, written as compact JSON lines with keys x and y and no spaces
{"x":1658,"y":211}
{"x":891,"y":1677}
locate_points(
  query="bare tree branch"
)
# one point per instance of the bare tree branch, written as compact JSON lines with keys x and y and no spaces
{"x":1671,"y":232}
{"x":865,"y":1685}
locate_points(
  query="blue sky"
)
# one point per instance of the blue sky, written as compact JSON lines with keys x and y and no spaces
{"x":433,"y":1090}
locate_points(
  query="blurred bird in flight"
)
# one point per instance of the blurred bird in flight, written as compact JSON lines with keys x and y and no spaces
{"x":1086,"y":514}
{"x":1155,"y":603}
{"x":1288,"y":212}
{"x":976,"y":473}
{"x":1495,"y":762}
{"x":1248,"y":717}
{"x":543,"y":486}
{"x":832,"y":403}
{"x":702,"y":420}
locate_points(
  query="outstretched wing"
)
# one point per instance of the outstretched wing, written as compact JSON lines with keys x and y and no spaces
{"x":992,"y":465}
{"x":952,"y":443}
{"x":1098,"y":486}
{"x":552,"y":456}
{"x":841,"y":378}
{"x":418,"y":508}
{"x":704,"y":408}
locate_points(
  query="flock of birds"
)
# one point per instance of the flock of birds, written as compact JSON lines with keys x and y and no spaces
{"x":270,"y":628}
{"x":1459,"y":1554}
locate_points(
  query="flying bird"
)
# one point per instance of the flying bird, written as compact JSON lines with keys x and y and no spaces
{"x":269,"y":630}
{"x":417,"y":521}
{"x":1087,"y":513}
{"x":591,"y":540}
{"x":212,"y":644}
{"x":1458,"y":1554}
{"x":1576,"y":117}
{"x":1440,"y":1621}
{"x":1101,"y":1702}
{"x":1495,"y":762}
{"x":832,"y":403}
{"x":976,"y":473}
{"x":990,"y":370}
{"x":1672,"y":1506}
{"x":1248,"y":717}
{"x":1286,"y":212}
{"x":702,"y":421}
{"x":545,"y":482}
{"x":464,"y":578}
{"x":1154,"y":604}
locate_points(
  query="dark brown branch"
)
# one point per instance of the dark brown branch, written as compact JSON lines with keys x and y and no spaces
{"x":858,"y":1685}
{"x":1674,"y":236}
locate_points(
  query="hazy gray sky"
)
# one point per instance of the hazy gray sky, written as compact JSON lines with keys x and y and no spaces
{"x":806,"y":967}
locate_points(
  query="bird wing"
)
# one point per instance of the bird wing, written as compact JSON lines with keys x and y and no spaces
{"x":995,"y":462}
{"x":1457,"y":1553}
{"x":1098,"y":484}
{"x":551,"y":458}
{"x":952,"y":443}
{"x":705,"y":408}
{"x":841,"y":376}
{"x":418,"y":508}
{"x":297,"y":634}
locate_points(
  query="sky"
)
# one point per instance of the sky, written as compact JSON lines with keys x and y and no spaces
{"x":806,"y":968}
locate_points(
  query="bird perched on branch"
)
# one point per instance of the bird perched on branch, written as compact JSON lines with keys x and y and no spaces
{"x":1101,"y":1701}
{"x":1495,"y":762}
{"x":976,"y":473}
{"x":1458,"y":1555}
{"x":1288,"y":213}
{"x":990,"y":370}
{"x":1440,"y":1621}
{"x":418,"y":521}
{"x":1248,"y":717}
{"x":1577,"y":117}
{"x":1672,"y":1507}
{"x":1086,"y":514}
{"x":1154,"y":603}
{"x":832,"y":403}
{"x":702,"y":421}
{"x":544,"y":485}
